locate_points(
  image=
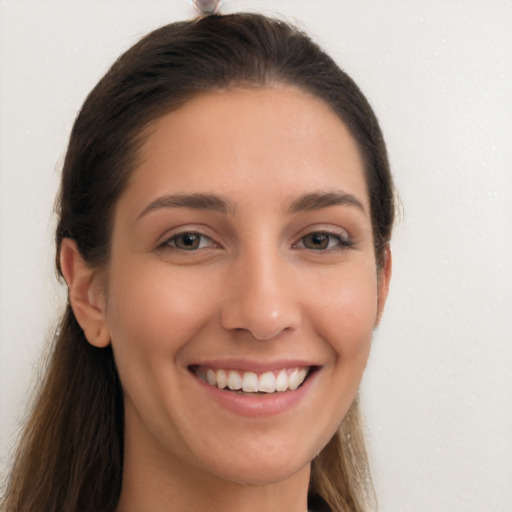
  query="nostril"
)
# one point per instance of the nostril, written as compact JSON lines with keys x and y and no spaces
{"x":266,"y":332}
{"x":260,"y":321}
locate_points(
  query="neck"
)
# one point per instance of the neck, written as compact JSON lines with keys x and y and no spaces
{"x":180,"y":496}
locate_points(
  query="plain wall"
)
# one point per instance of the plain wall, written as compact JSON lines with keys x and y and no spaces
{"x":437,"y":393}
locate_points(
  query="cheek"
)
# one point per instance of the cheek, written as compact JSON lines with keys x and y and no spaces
{"x":348,"y":311}
{"x":153,"y":313}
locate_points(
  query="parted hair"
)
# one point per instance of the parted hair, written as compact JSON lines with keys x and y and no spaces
{"x":70,"y":454}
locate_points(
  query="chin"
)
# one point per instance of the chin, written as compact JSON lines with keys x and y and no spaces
{"x":261,"y":463}
{"x":261,"y":475}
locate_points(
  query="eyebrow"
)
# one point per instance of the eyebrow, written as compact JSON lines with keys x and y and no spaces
{"x":318,"y":200}
{"x":307,"y":202}
{"x":209,"y":202}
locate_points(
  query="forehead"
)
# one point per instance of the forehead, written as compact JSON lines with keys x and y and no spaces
{"x":273,"y":141}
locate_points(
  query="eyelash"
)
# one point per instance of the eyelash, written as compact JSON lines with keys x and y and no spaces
{"x":170,"y":243}
{"x":341,"y":241}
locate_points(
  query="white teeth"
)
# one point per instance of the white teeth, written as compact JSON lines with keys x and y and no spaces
{"x":267,"y":382}
{"x":282,"y":381}
{"x":294,"y":380}
{"x":234,"y":380}
{"x":211,"y":378}
{"x":222,"y":379}
{"x":250,"y":382}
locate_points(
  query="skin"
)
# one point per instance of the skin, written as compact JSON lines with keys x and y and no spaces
{"x":256,"y":291}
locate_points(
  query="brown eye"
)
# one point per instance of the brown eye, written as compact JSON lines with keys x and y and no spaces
{"x":325,"y":241}
{"x":188,"y":241}
{"x":316,"y":241}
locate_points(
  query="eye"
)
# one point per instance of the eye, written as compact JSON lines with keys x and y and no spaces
{"x":188,"y":241}
{"x":324,"y":241}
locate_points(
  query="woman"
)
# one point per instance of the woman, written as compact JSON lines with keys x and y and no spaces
{"x":225,"y":214}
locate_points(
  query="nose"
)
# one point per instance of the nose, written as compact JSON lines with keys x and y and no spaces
{"x":261,"y":298}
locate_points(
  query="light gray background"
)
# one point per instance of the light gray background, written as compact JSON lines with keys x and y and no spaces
{"x":438,"y":390}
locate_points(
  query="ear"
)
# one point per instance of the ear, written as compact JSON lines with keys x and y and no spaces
{"x":384,"y":278}
{"x":86,"y":296}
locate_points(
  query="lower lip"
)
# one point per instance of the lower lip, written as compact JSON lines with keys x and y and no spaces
{"x":257,"y":405}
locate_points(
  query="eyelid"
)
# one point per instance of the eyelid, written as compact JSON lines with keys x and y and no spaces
{"x":164,"y":243}
{"x":345,"y":240}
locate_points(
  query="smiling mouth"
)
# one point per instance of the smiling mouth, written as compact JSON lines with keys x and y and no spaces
{"x":276,"y":381}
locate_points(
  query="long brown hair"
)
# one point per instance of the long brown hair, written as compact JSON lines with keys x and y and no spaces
{"x":70,"y":456}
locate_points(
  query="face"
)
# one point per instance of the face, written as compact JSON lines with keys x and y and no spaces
{"x":242,"y":256}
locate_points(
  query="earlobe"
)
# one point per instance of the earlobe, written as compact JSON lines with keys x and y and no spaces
{"x":384,"y":279}
{"x":86,"y":298}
